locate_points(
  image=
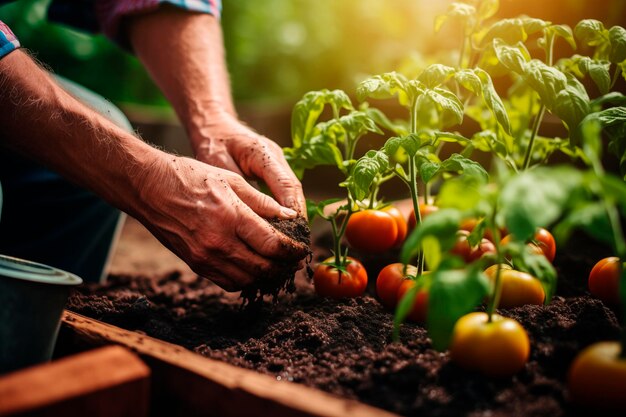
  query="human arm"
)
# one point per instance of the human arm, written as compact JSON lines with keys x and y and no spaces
{"x":208,"y":216}
{"x":188,"y":65}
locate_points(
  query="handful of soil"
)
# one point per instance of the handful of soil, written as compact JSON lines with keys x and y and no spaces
{"x":283,"y":275}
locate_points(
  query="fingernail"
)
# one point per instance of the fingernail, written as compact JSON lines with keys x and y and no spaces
{"x":288,"y":213}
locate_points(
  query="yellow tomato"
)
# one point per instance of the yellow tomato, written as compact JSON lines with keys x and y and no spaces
{"x":517,"y":288}
{"x":597,"y":377}
{"x":499,"y":349}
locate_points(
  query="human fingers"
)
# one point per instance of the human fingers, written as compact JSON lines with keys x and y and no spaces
{"x":260,"y":203}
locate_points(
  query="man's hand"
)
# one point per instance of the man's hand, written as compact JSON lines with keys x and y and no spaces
{"x":188,"y":65}
{"x":212,"y":219}
{"x":228,"y":144}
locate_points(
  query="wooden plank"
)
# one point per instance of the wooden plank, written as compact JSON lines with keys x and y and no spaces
{"x":111,"y":381}
{"x":187,"y":384}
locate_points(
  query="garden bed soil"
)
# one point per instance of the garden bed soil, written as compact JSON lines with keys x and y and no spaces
{"x":344,"y":347}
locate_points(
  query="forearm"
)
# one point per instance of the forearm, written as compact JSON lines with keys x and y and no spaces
{"x":40,"y":120}
{"x":188,"y":64}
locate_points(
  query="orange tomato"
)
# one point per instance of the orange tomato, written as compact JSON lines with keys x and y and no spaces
{"x":500,"y":348}
{"x":517,"y":288}
{"x":469,"y":254}
{"x":604,"y":280}
{"x":597,"y":377}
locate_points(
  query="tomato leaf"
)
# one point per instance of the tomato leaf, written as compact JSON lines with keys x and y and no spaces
{"x":452,"y":294}
{"x":536,"y":198}
{"x":435,"y":75}
{"x":455,"y":10}
{"x":617,"y":39}
{"x":365,"y":171}
{"x":513,"y":30}
{"x":441,"y":224}
{"x":590,"y":217}
{"x":384,"y":86}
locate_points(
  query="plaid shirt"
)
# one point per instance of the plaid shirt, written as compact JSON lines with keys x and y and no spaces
{"x":103,"y":16}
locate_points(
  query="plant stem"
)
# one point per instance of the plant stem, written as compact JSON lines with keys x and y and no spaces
{"x":416,"y":210}
{"x":497,"y":292}
{"x":336,"y":241}
{"x":531,"y":142}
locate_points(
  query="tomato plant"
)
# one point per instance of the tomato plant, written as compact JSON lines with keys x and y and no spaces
{"x":597,"y":377}
{"x":389,"y":280}
{"x":604,"y":280}
{"x":372,"y":231}
{"x":517,"y":288}
{"x":334,"y":282}
{"x":498,"y":347}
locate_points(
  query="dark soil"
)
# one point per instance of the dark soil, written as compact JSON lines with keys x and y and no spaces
{"x":282,"y":277}
{"x":344,"y":347}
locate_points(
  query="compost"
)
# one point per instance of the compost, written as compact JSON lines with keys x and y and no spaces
{"x":344,"y":346}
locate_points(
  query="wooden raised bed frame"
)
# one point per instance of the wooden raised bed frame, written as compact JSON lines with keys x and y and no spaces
{"x":187,"y":384}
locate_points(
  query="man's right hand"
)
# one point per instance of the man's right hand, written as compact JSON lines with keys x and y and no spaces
{"x":214,"y":220}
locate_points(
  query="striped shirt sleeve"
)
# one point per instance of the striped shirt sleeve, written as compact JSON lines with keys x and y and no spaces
{"x":8,"y":41}
{"x":111,"y":12}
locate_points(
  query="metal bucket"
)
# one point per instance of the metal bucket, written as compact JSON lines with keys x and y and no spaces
{"x":32,"y":298}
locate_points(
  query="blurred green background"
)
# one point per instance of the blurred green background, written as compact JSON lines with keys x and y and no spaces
{"x":277,"y":49}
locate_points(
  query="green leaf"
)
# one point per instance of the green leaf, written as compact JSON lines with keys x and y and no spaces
{"x":461,"y":193}
{"x":383,"y":87}
{"x":432,"y":252}
{"x":598,"y":70}
{"x":397,"y":127}
{"x":536,"y":198}
{"x":488,"y":8}
{"x":513,"y":30}
{"x":442,"y":224}
{"x":590,"y":217}
{"x":452,"y":294}
{"x":572,"y":103}
{"x":455,"y":10}
{"x":564,"y":32}
{"x":435,"y":75}
{"x":513,"y":58}
{"x":447,"y":103}
{"x":428,"y":170}
{"x":410,"y":143}
{"x":365,"y":171}
{"x":457,"y":163}
{"x":617,"y":39}
{"x":404,"y":308}
{"x":469,"y":80}
{"x":493,"y":100}
{"x":590,"y":31}
{"x":614,"y":190}
{"x":614,"y":97}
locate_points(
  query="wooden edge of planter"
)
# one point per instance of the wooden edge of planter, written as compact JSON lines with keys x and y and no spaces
{"x":110,"y":381}
{"x":208,"y":387}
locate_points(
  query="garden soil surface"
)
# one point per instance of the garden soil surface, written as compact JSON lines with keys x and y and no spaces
{"x":344,"y":347}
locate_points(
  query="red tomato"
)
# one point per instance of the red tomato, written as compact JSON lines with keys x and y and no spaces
{"x":500,"y":348}
{"x":517,"y":288}
{"x":419,"y":311}
{"x":463,"y":249}
{"x":372,"y":231}
{"x":425,"y":210}
{"x":329,"y":282}
{"x":604,"y":280}
{"x":389,"y":280}
{"x":545,"y":241}
{"x":597,"y":377}
{"x":542,"y":243}
{"x":400,"y":222}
